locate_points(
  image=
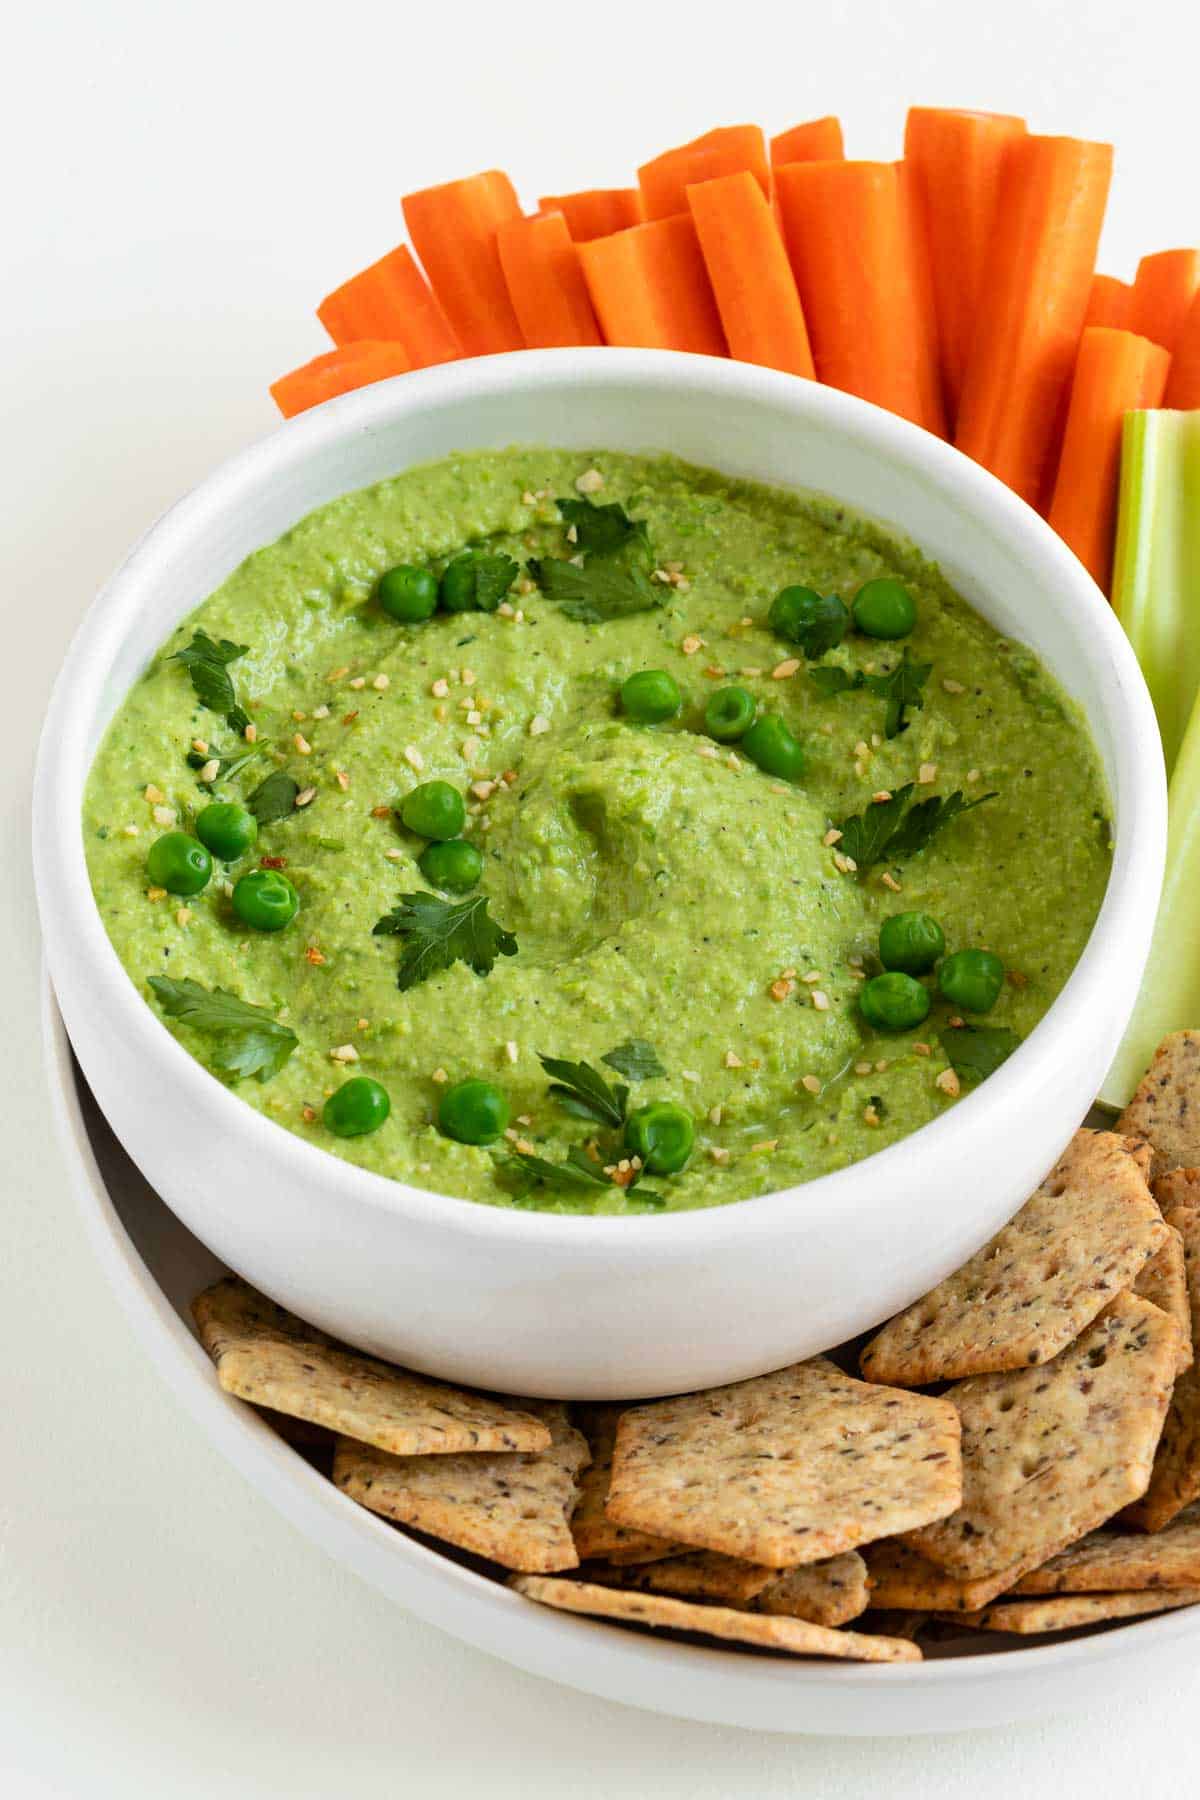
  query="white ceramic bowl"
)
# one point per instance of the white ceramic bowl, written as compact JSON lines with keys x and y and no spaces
{"x":595,"y":1308}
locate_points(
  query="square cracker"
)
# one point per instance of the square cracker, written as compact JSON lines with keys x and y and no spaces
{"x":1175,"y":1481}
{"x":786,"y":1468}
{"x":1114,"y":1562}
{"x":900,"y":1580}
{"x":513,"y":1509}
{"x":1166,"y":1107}
{"x":1086,"y":1234}
{"x":825,"y":1593}
{"x":1049,"y":1453}
{"x":596,"y":1535}
{"x":1163,"y":1281}
{"x":266,"y":1355}
{"x":795,"y":1635}
{"x":1178,"y":1187}
{"x":1067,"y":1612}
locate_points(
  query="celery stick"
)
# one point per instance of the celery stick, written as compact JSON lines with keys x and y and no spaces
{"x":1156,"y":580}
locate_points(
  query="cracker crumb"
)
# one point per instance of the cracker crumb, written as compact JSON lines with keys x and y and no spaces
{"x":764,"y":1147}
{"x":922,"y":1049}
{"x":691,"y":643}
{"x":949,"y":1083}
{"x":338,"y":673}
{"x":881,"y":1065}
{"x":154,"y":795}
{"x":785,"y":670}
{"x":315,"y":956}
{"x":394,"y":855}
{"x":862,"y":1068}
{"x":590,"y":482}
{"x":781,"y":989}
{"x":164,"y":815}
{"x":511,"y":1051}
{"x":832,"y":836}
{"x":381,"y":812}
{"x":810,"y":1083}
{"x":308,"y":1114}
{"x":209,"y":770}
{"x":880,"y":796}
{"x":381,"y":683}
{"x":708,"y":751}
{"x":359,"y":681}
{"x":302,"y":744}
{"x":200,"y":746}
{"x":305,"y":797}
{"x":820,"y":1000}
{"x":733,"y":1060}
{"x":953,"y":687}
{"x":131,"y":831}
{"x":183,"y":915}
{"x":440,"y":688}
{"x":251,"y":733}
{"x":870,"y":1116}
{"x":715,"y":1115}
{"x":298,"y":715}
{"x":926,"y":773}
{"x":483,"y":790}
{"x":413,"y":757}
{"x":467,"y":677}
{"x":320,"y":712}
{"x":862,"y":750}
{"x":718,"y":1153}
{"x":972,"y":774}
{"x":889,"y":881}
{"x":156,"y":893}
{"x":344,"y":1053}
{"x":440,"y":1076}
{"x":342,"y":778}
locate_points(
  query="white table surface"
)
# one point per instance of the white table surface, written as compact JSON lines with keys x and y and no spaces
{"x":182,"y":182}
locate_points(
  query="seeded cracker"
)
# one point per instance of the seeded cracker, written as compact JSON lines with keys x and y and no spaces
{"x":514,"y":1509}
{"x":596,"y":1535}
{"x":786,"y":1468}
{"x":1166,"y":1106}
{"x":1123,"y":1561}
{"x":794,"y":1635}
{"x":1050,"y":1453}
{"x":1068,"y":1612}
{"x":1163,"y":1282}
{"x":1175,"y":1482}
{"x":266,"y":1355}
{"x":1179,"y":1187}
{"x":825,"y":1593}
{"x":1086,"y":1234}
{"x":901,"y":1580}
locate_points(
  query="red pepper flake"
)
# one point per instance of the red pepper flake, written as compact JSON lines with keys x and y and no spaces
{"x":381,"y":812}
{"x":349,"y":718}
{"x":272,"y":862}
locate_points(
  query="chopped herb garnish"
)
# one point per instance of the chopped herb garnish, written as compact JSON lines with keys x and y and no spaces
{"x":247,"y":1040}
{"x":583,"y":1091}
{"x":892,"y":829}
{"x":601,"y":530}
{"x":207,"y":664}
{"x":815,"y":623}
{"x":636,"y":1060}
{"x":274,"y":798}
{"x":437,"y":933}
{"x":976,"y":1051}
{"x":484,"y":577}
{"x":227,"y":766}
{"x":577,"y":1172}
{"x":902,"y":688}
{"x":832,"y":679}
{"x":597,"y":592}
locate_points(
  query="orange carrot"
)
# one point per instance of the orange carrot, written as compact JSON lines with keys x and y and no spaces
{"x":649,"y":286}
{"x":1183,"y":382}
{"x":595,"y":212}
{"x":1164,"y":288}
{"x":1116,"y":372}
{"x":721,"y":152}
{"x":751,"y":277}
{"x":336,"y":372}
{"x":1109,"y":302}
{"x":453,"y":229}
{"x":956,"y":160}
{"x":1031,"y":307}
{"x":391,"y":301}
{"x":545,"y":282}
{"x":914,"y":220}
{"x":852,"y":248}
{"x":818,"y":140}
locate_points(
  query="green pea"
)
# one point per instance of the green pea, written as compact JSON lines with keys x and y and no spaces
{"x":357,"y":1107}
{"x":408,"y":593}
{"x":455,"y":866}
{"x":662,"y":1134}
{"x":473,"y":1112}
{"x":893,"y":1002}
{"x":884,"y":608}
{"x":226,"y":829}
{"x":434,"y":810}
{"x":770,"y":743}
{"x":729,"y":714}
{"x":265,"y":900}
{"x":910,"y":941}
{"x":178,"y":863}
{"x":816,"y":622}
{"x":972,"y":979}
{"x":651,"y":696}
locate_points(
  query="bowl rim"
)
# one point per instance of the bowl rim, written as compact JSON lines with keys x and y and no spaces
{"x":64,"y":759}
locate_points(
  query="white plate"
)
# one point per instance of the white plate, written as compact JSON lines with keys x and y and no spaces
{"x":156,"y":1266}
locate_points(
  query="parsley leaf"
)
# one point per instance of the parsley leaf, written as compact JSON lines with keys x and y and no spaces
{"x":583,"y":1091}
{"x":635,"y":1059}
{"x":437,"y":933}
{"x":207,"y":664}
{"x":598,"y":591}
{"x":489,"y":575}
{"x":887,"y":831}
{"x":600,"y":530}
{"x":274,"y":798}
{"x":246,"y":1039}
{"x":577,"y":1172}
{"x":834,"y":680}
{"x":976,"y":1051}
{"x":901,"y":687}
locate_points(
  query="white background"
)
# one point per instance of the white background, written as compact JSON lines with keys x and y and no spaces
{"x":182,"y":182}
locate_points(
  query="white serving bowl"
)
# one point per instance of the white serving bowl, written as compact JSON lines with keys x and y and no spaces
{"x":607,"y":1307}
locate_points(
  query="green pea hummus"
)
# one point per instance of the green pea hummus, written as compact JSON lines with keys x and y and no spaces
{"x":659,"y":885}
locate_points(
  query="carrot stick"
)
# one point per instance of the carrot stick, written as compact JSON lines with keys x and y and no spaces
{"x":1109,"y":302}
{"x":1116,"y":372}
{"x":545,"y":282}
{"x":956,"y":160}
{"x":336,"y":372}
{"x":817,"y":140}
{"x":1183,"y":382}
{"x":391,"y":301}
{"x":1164,"y":288}
{"x":1031,"y":306}
{"x":852,"y":248}
{"x":649,"y":286}
{"x":916,"y":224}
{"x":595,"y":212}
{"x":721,"y":152}
{"x":751,"y":277}
{"x":453,"y":229}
